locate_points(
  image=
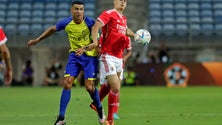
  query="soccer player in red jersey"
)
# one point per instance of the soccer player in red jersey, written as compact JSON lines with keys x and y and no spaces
{"x":114,"y":30}
{"x":6,"y":57}
{"x":105,"y":89}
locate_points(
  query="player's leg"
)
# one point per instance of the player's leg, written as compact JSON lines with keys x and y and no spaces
{"x":64,"y":99}
{"x":72,"y":70}
{"x":90,"y":72}
{"x":113,"y":96}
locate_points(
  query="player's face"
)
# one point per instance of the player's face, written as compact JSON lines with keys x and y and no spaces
{"x":77,"y":11}
{"x":120,"y":4}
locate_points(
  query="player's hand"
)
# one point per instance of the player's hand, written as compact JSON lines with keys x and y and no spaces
{"x":80,"y":51}
{"x":32,"y":42}
{"x":137,"y":37}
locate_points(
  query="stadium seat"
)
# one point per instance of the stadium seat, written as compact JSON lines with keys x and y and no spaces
{"x":24,"y":19}
{"x":13,"y":13}
{"x":155,"y":29}
{"x":10,"y":28}
{"x":181,"y":29}
{"x":207,"y":20}
{"x":207,"y":29}
{"x":156,"y":20}
{"x":90,"y":6}
{"x":194,"y":19}
{"x":50,"y":20}
{"x":193,"y":13}
{"x":155,"y":13}
{"x":63,"y":6}
{"x":217,"y":5}
{"x":2,"y":21}
{"x":218,"y":29}
{"x":90,"y":14}
{"x":168,"y":29}
{"x":2,"y":13}
{"x":206,"y":6}
{"x":37,"y":19}
{"x":12,"y":19}
{"x":38,"y":6}
{"x":36,"y":28}
{"x":169,"y":19}
{"x":154,"y":6}
{"x":13,"y":6}
{"x":167,"y":13}
{"x":193,"y":6}
{"x":37,"y":13}
{"x":180,"y":6}
{"x":206,"y":13}
{"x":23,"y":29}
{"x":25,"y":13}
{"x":180,"y":13}
{"x":50,"y":6}
{"x":63,"y":14}
{"x":180,"y":1}
{"x":182,"y":19}
{"x":195,"y":29}
{"x":49,"y":13}
{"x":167,"y":6}
{"x":26,"y":6}
{"x":217,"y":13}
{"x":2,"y":6}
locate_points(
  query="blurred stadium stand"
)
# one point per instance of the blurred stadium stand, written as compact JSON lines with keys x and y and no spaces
{"x":27,"y":17}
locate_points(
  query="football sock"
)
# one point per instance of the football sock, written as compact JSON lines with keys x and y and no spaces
{"x":104,"y":90}
{"x":95,"y":98}
{"x":112,"y":102}
{"x":65,"y":98}
{"x":116,"y":107}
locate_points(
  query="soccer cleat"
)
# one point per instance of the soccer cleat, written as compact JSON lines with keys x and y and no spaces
{"x":100,"y":112}
{"x":109,"y":122}
{"x":115,"y":116}
{"x":60,"y":122}
{"x":102,"y":116}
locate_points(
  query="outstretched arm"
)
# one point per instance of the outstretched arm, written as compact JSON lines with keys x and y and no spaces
{"x":129,"y":32}
{"x":48,"y":32}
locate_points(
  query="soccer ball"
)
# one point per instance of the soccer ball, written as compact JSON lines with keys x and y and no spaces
{"x":142,"y":37}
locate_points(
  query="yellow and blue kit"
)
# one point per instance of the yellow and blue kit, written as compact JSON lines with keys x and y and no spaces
{"x":79,"y":35}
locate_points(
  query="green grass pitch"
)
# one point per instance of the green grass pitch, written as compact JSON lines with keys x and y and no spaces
{"x":138,"y":106}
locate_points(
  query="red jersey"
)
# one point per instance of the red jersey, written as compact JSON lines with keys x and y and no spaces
{"x":113,"y":33}
{"x":3,"y":38}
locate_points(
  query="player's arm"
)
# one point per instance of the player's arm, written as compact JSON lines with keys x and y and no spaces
{"x":7,"y":58}
{"x":129,"y":32}
{"x":94,"y":33}
{"x":48,"y":32}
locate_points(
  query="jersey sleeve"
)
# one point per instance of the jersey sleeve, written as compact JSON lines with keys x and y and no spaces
{"x":63,"y":23}
{"x":3,"y":37}
{"x":105,"y":17}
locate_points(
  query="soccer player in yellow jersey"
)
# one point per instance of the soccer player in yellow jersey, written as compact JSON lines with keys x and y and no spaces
{"x":77,"y":28}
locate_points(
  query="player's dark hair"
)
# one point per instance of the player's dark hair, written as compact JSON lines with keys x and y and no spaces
{"x":77,"y":2}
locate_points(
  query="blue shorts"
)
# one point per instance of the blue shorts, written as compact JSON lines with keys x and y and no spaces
{"x":86,"y":63}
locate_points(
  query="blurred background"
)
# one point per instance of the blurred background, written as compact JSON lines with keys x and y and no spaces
{"x":188,"y":32}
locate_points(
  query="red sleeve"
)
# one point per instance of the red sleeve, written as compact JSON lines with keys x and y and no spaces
{"x":3,"y":37}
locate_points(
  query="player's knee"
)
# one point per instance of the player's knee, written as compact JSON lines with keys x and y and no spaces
{"x":89,"y":88}
{"x":67,"y":83}
{"x":115,"y":90}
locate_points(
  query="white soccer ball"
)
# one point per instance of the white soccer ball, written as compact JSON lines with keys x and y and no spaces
{"x":142,"y":37}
